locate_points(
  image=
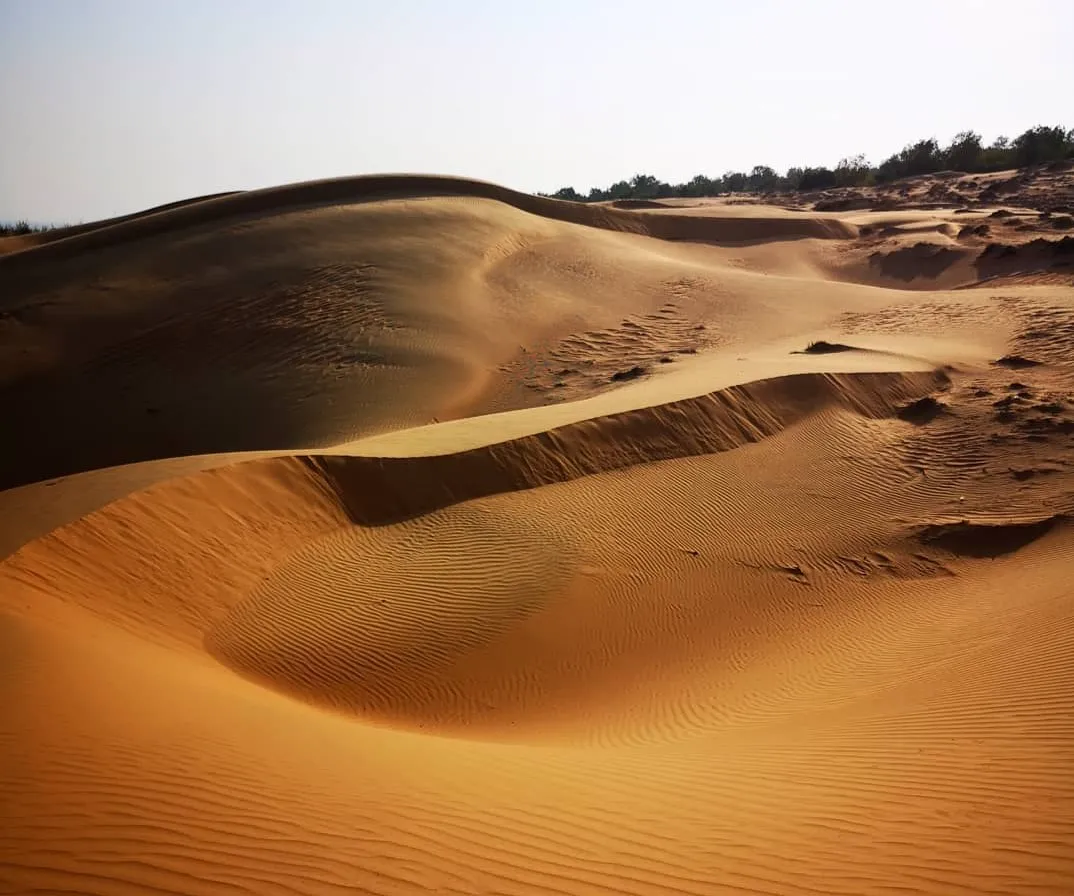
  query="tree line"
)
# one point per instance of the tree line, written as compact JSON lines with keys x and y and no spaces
{"x":966,"y":152}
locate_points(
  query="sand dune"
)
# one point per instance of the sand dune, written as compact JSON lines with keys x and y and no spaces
{"x":290,"y":347}
{"x":412,"y":535}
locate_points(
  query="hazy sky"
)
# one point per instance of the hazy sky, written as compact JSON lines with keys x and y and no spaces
{"x":112,"y":106}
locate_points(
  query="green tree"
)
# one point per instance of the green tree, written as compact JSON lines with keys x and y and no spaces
{"x":1042,"y":144}
{"x":763,"y":179}
{"x":998,"y":156}
{"x":922,"y":157}
{"x":698,"y":186}
{"x":964,"y":152}
{"x":568,"y":193}
{"x":734,"y":181}
{"x":644,"y":186}
{"x":852,"y":171}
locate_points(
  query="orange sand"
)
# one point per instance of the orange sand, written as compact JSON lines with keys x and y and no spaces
{"x":339,"y":560}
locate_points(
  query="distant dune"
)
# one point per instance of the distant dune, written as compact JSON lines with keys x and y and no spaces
{"x":407,"y":534}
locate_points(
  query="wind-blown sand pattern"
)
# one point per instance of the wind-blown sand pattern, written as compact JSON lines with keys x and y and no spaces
{"x":399,"y":535}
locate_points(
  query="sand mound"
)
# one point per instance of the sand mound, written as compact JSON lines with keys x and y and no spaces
{"x":918,"y":260}
{"x":1038,"y":254}
{"x":921,"y":411}
{"x":476,"y":616}
{"x":1016,"y":362}
{"x":334,"y":595}
{"x":989,"y":539}
{"x":823,"y":347}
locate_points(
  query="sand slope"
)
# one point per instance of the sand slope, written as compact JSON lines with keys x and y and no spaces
{"x":474,"y":543}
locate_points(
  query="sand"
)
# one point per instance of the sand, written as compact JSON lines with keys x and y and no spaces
{"x":402,"y":535}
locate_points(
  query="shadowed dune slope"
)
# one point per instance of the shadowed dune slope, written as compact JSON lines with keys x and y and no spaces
{"x":471,"y":550}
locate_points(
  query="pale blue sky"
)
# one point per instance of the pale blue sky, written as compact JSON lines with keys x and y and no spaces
{"x":110,"y":106}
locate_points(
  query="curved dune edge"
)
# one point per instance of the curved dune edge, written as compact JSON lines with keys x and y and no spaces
{"x":693,"y":380}
{"x":197,"y":212}
{"x":264,"y":509}
{"x":989,"y":539}
{"x":409,"y":472}
{"x":33,"y":510}
{"x":376,"y":490}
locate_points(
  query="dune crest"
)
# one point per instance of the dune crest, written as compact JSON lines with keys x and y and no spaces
{"x":71,"y":241}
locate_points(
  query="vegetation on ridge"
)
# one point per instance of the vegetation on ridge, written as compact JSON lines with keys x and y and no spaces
{"x":21,"y":228}
{"x":966,"y":153}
